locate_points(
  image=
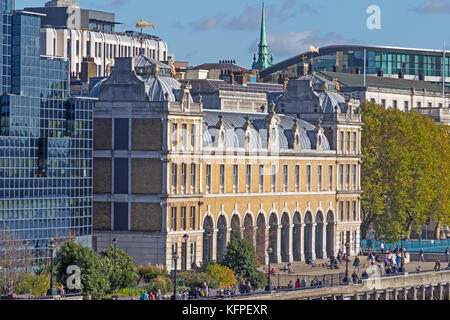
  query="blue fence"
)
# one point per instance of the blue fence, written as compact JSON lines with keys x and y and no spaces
{"x":430,"y":246}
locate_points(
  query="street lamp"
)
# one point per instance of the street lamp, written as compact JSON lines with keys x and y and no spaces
{"x":269,"y":252}
{"x":209,"y":234}
{"x":52,"y":247}
{"x":402,"y":267}
{"x":185,"y":238}
{"x":346,"y":279}
{"x":114,"y":241}
{"x":175,"y":259}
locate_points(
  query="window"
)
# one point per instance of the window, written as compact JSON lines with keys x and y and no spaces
{"x":174,"y":249}
{"x":440,"y":104}
{"x":297,"y":178}
{"x":341,"y":175}
{"x":222,"y":177}
{"x":395,"y":104}
{"x":372,"y":100}
{"x":193,"y":136}
{"x":354,"y":210}
{"x":330,"y":177}
{"x":192,"y":218}
{"x":341,"y":210}
{"x":419,"y":104}
{"x":121,"y":175}
{"x":406,"y":106}
{"x":348,"y":142}
{"x":235,"y":178}
{"x":308,"y":178}
{"x":285,"y":177}
{"x":354,"y":143}
{"x":248,"y":178}
{"x":383,"y":102}
{"x":208,"y":178}
{"x":319,"y":177}
{"x":184,"y":135}
{"x":174,"y":135}
{"x":121,"y":134}
{"x":354,"y":177}
{"x":347,"y":180}
{"x":347,"y":207}
{"x":273,"y":181}
{"x":430,"y":105}
{"x":173,"y":219}
{"x":342,"y":141}
{"x":174,"y":178}
{"x":261,"y":178}
{"x":183,"y":177}
{"x":193,"y":251}
{"x":183,"y":218}
{"x":120,"y":216}
{"x":193,"y":176}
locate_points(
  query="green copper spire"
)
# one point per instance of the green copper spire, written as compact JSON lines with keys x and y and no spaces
{"x":263,"y":54}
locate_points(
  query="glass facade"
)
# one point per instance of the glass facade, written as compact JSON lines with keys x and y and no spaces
{"x":350,"y":59}
{"x":45,"y":143}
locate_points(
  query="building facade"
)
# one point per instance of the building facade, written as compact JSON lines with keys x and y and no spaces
{"x":171,"y":175}
{"x":392,"y":62}
{"x":74,"y":33}
{"x":45,"y":143}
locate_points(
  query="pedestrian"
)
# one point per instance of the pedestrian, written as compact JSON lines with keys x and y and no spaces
{"x":356,"y":264}
{"x":272,"y":272}
{"x":382,"y":247}
{"x":355,"y":277}
{"x":421,"y":255}
{"x":437,"y":266}
{"x":249,"y":288}
{"x":290,"y":285}
{"x":303,"y":283}
{"x":194,"y":265}
{"x":158,"y":295}
{"x":297,"y":284}
{"x":447,"y":254}
{"x":144,"y":296}
{"x":418,"y":269}
{"x":151,"y":296}
{"x":205,"y":289}
{"x":184,"y":294}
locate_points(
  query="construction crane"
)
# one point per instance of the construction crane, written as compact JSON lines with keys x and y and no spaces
{"x":142,"y":24}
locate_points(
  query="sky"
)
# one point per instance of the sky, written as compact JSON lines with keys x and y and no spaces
{"x":202,"y":31}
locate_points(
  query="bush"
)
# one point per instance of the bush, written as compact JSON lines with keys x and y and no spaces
{"x":121,"y":273}
{"x":161,"y":282}
{"x":194,"y":279}
{"x":127,"y":292}
{"x":223,"y":275}
{"x":37,"y":285}
{"x":149,"y":271}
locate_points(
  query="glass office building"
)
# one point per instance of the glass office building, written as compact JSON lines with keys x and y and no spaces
{"x":45,"y":143}
{"x":417,"y":64}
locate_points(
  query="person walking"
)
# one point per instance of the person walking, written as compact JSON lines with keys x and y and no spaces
{"x":144,"y":296}
{"x":356,"y":264}
{"x":297,"y":284}
{"x":382,"y":247}
{"x":447,"y":254}
{"x":421,"y":255}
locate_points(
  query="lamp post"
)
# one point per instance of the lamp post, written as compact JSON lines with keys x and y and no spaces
{"x":52,"y":247}
{"x":175,"y":259}
{"x":185,"y":238}
{"x":209,"y":234}
{"x":269,"y":252}
{"x":346,"y":279}
{"x":402,"y":267}
{"x":114,"y":241}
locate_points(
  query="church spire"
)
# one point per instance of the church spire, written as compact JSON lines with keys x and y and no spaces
{"x":263,"y":54}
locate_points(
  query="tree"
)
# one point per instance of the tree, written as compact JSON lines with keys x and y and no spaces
{"x":223,"y":275}
{"x":14,"y":262}
{"x":404,"y":172}
{"x":94,"y":280}
{"x":240,"y":257}
{"x":121,"y":273}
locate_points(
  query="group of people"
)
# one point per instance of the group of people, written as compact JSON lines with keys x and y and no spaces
{"x":151,"y":295}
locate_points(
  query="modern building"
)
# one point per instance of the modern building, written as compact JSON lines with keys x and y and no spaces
{"x":76,"y":34}
{"x":216,"y":71}
{"x":173,"y":176}
{"x":391,"y":62}
{"x":424,"y":97}
{"x":45,"y":142}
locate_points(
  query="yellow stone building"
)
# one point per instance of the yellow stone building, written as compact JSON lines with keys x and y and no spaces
{"x":172,"y":175}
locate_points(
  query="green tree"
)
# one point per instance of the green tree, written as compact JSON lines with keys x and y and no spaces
{"x":240,"y":257}
{"x":94,"y":281}
{"x":121,"y":273}
{"x":404,"y":171}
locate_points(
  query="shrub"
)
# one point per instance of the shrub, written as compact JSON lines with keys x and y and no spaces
{"x":37,"y":285}
{"x":121,"y":273}
{"x":127,"y":292}
{"x":150,"y":271}
{"x":194,"y":279}
{"x":223,"y":275}
{"x":161,"y":282}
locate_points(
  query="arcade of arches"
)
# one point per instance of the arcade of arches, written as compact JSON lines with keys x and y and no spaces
{"x":292,"y":237}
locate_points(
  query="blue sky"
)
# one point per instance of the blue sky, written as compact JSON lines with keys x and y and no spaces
{"x":201,"y":31}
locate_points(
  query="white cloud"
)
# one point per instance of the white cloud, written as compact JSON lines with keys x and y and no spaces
{"x":433,"y":7}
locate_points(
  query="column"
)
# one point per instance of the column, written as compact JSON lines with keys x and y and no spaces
{"x":255,"y":231}
{"x":324,"y":240}
{"x":291,"y":244}
{"x":228,"y":236}
{"x":214,"y":245}
{"x":446,"y":293}
{"x":302,"y":242}
{"x":313,"y":241}
{"x":278,"y":256}
{"x":266,"y":244}
{"x":421,"y":293}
